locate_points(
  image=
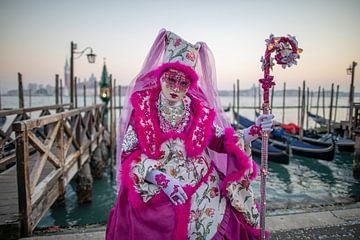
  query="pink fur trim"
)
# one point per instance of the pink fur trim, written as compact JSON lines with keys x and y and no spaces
{"x":183,"y":219}
{"x":148,"y":140}
{"x":150,"y":135}
{"x":189,"y":71}
{"x":128,"y":182}
{"x":232,"y":148}
{"x":201,"y":130}
{"x":254,"y":231}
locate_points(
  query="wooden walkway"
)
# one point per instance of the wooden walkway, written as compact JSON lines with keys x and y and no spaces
{"x":50,"y":150}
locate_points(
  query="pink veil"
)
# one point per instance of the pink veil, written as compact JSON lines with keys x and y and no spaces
{"x":206,"y":91}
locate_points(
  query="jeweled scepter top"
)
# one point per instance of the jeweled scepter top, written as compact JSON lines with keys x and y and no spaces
{"x":286,"y":52}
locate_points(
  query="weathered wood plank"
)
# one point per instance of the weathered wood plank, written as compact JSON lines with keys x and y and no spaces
{"x":39,"y":165}
{"x":38,"y":145}
{"x":62,"y":156}
{"x":32,"y":109}
{"x":23,"y":179}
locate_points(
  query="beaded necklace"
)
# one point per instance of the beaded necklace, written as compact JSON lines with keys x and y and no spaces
{"x":173,"y":117}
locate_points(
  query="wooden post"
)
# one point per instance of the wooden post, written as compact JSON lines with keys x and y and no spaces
{"x":336,"y":102}
{"x":307,"y":108}
{"x":95,"y":92}
{"x":238,"y":95}
{"x":84,"y":184}
{"x":114,"y":92}
{"x":119,"y":100}
{"x":299,"y":102}
{"x":57,"y":89}
{"x":60,"y":155}
{"x":283,"y":110}
{"x":61,"y":92}
{"x":233,"y":105}
{"x":84,"y":90}
{"x":351,"y":97}
{"x":20,"y":91}
{"x":23,"y":178}
{"x":356,"y":158}
{"x":317,"y":104}
{"x":75,"y":90}
{"x":311,"y":100}
{"x":255,"y":101}
{"x":259,"y":92}
{"x":30,"y":100}
{"x":302,"y":112}
{"x":331,"y":108}
{"x":323,"y":105}
{"x":272,"y":98}
{"x":110,"y":128}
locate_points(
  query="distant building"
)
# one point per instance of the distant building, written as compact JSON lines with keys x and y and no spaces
{"x":50,"y":89}
{"x":32,"y":87}
{"x":92,"y":81}
{"x":42,"y":92}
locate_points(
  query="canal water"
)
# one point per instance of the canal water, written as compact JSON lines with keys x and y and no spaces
{"x":304,"y":182}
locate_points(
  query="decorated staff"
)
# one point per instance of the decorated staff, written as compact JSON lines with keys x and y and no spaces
{"x":286,"y":52}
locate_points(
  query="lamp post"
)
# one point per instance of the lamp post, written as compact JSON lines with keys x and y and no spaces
{"x":91,"y":58}
{"x":105,"y":93}
{"x":351,"y":71}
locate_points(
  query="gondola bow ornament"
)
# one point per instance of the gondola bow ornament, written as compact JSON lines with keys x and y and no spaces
{"x":286,"y":52}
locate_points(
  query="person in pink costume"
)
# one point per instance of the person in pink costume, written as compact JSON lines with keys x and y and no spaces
{"x":182,"y":171}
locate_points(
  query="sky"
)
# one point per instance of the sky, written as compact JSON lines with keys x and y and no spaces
{"x":35,"y":38}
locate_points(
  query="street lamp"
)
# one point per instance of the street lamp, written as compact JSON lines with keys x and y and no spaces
{"x":105,"y":91}
{"x":91,"y":58}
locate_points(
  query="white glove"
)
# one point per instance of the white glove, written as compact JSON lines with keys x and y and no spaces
{"x":169,"y":185}
{"x":264,"y":122}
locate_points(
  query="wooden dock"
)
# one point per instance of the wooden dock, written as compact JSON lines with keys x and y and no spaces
{"x":50,"y":150}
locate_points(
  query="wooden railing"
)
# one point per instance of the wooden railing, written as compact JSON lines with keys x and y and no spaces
{"x":63,"y":143}
{"x":7,"y":136}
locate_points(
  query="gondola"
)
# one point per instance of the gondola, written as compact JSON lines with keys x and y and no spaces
{"x":292,"y":145}
{"x":305,"y":148}
{"x":2,"y":121}
{"x":274,"y":154}
{"x":343,"y":144}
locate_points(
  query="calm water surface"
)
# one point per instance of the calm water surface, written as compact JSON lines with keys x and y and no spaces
{"x":304,"y":180}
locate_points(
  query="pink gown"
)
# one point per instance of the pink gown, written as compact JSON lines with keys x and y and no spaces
{"x":220,"y":204}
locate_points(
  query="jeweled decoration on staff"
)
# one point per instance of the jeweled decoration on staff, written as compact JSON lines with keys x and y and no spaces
{"x":286,"y":52}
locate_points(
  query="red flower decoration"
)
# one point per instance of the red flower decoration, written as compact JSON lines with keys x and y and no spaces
{"x":161,"y":180}
{"x":196,"y":214}
{"x":214,"y":192}
{"x":177,"y":42}
{"x":255,"y":130}
{"x":190,"y":56}
{"x":210,"y":212}
{"x":267,"y":82}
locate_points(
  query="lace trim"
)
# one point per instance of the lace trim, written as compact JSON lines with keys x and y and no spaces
{"x":130,"y":140}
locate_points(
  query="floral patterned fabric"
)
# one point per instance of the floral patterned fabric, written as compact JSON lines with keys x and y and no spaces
{"x":178,"y":49}
{"x":207,"y":204}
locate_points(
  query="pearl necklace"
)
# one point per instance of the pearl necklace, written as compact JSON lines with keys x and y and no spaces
{"x":173,"y":117}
